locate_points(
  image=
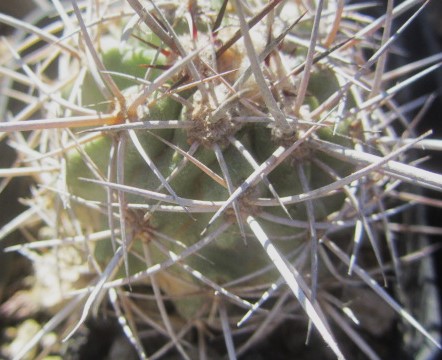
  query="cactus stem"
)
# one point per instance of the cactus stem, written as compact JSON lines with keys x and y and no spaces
{"x":153,"y":167}
{"x":230,"y":188}
{"x":175,"y":258}
{"x":255,"y":166}
{"x":265,"y":168}
{"x":167,"y":132}
{"x":233,"y":298}
{"x":195,"y":161}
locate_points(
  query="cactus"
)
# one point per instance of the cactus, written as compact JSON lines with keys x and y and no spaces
{"x":211,"y":166}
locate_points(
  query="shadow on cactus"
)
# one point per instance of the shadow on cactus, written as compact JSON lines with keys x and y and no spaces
{"x":235,"y":166}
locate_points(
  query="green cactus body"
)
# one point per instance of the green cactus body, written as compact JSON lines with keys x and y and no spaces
{"x":229,"y":257}
{"x":238,"y":159}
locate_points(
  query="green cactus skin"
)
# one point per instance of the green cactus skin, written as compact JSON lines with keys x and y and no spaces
{"x":229,"y":257}
{"x":232,"y":112}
